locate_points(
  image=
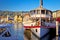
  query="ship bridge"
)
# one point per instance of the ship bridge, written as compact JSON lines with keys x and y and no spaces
{"x":41,"y":14}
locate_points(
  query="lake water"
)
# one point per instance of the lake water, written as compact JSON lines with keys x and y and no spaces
{"x":16,"y":30}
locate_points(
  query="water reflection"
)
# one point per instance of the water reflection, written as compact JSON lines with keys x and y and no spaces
{"x":19,"y":31}
{"x":15,"y":30}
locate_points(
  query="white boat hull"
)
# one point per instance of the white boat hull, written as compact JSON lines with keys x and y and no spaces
{"x":40,"y":31}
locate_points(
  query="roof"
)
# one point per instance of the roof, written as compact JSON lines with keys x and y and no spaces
{"x":40,"y":8}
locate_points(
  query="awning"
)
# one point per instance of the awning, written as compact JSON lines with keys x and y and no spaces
{"x":58,"y":19}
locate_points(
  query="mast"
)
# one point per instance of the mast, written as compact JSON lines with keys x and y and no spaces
{"x":41,"y":3}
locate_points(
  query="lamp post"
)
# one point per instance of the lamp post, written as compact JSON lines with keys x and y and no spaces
{"x":56,"y":28}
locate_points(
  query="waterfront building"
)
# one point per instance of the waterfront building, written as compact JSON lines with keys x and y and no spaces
{"x":58,"y":13}
{"x":26,"y":17}
{"x":55,"y":14}
{"x":18,"y":18}
{"x":3,"y":19}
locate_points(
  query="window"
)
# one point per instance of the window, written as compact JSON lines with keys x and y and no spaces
{"x":37,"y":19}
{"x":43,"y":20}
{"x":34,"y":11}
{"x":31,"y":24}
{"x":38,"y":11}
{"x":43,"y":11}
{"x":36,"y":30}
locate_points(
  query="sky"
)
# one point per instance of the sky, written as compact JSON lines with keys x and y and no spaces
{"x":27,"y":5}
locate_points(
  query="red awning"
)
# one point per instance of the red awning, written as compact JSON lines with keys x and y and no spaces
{"x":58,"y":19}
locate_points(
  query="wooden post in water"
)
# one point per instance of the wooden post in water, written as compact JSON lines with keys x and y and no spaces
{"x":57,"y":30}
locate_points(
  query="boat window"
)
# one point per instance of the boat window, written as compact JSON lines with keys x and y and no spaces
{"x":36,"y":30}
{"x":7,"y":34}
{"x":47,"y":12}
{"x":43,"y":11}
{"x":34,"y":11}
{"x":31,"y":24}
{"x":43,"y":20}
{"x":37,"y":19}
{"x":38,"y":11}
{"x":2,"y":30}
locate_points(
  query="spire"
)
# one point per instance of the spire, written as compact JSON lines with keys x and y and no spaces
{"x":41,"y":3}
